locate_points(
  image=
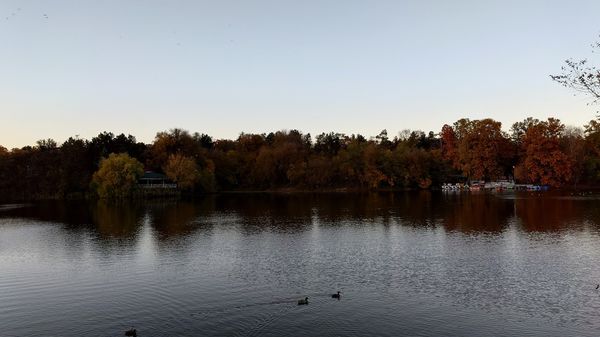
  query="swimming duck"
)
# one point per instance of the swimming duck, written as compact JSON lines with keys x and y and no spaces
{"x":338,"y":295}
{"x":303,"y":302}
{"x":131,"y":333}
{"x":598,"y":286}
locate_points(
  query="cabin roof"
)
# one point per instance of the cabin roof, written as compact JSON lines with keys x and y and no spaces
{"x":150,"y":175}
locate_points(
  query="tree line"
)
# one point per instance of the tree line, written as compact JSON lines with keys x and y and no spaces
{"x":533,"y":151}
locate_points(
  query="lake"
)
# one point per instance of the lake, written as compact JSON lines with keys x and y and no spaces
{"x":407,"y":264}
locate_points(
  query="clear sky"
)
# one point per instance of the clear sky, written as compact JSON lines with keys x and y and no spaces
{"x":222,"y":67}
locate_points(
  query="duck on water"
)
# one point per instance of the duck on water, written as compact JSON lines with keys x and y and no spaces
{"x":303,"y":301}
{"x":338,"y":295}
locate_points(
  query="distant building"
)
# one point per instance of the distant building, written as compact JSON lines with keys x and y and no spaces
{"x":155,"y":180}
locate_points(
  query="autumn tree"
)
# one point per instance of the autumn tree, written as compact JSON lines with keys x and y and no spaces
{"x":411,"y":167}
{"x":321,"y":171}
{"x":117,"y":176}
{"x":547,"y":153}
{"x":174,"y":141}
{"x":542,"y":159}
{"x":373,"y":158}
{"x":182,"y":170}
{"x":283,"y":157}
{"x":226,"y":158}
{"x":244,"y":153}
{"x":361,"y":163}
{"x":350,"y":161}
{"x":478,"y":148}
{"x":450,"y":145}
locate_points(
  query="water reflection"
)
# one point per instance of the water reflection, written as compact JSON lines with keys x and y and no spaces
{"x":460,"y":212}
{"x":419,"y":263}
{"x":175,"y":218}
{"x":116,"y":220}
{"x":479,"y":212}
{"x":556,"y":212}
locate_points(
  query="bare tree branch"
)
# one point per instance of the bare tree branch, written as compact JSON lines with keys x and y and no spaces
{"x":581,"y":77}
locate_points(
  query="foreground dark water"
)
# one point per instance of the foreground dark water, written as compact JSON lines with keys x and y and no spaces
{"x":414,"y":264}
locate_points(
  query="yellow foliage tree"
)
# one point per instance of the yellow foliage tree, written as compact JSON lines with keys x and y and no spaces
{"x":182,"y":170}
{"x":117,"y":175}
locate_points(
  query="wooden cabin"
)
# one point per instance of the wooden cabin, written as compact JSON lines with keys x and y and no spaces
{"x":152,"y":179}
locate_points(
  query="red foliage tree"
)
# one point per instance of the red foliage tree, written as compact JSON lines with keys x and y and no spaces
{"x":544,"y":161}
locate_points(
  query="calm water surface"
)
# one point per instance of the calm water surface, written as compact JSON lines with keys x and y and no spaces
{"x":414,"y":264}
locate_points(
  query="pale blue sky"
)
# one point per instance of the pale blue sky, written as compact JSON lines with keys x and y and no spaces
{"x":223,"y":67}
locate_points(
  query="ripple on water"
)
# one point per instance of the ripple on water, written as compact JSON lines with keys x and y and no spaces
{"x":235,"y":272}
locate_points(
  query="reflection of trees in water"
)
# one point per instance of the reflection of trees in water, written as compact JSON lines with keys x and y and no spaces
{"x":418,"y":209}
{"x":252,"y":213}
{"x":547,"y":212}
{"x":117,"y":219}
{"x":167,"y":217}
{"x":460,"y":212}
{"x":491,"y":212}
{"x":264,"y":211}
{"x":476,"y":212}
{"x":177,"y":217}
{"x":70,"y":213}
{"x":366,"y":207}
{"x":294,"y":212}
{"x":593,"y":214}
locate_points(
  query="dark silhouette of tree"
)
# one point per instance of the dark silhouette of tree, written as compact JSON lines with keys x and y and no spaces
{"x":76,"y":167}
{"x":328,"y":144}
{"x":581,"y":76}
{"x":106,"y":143}
{"x":572,"y":143}
{"x":205,"y":141}
{"x":592,"y":151}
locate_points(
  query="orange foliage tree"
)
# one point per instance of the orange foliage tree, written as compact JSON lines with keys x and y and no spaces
{"x":478,"y":148}
{"x":449,"y":146}
{"x":543,"y":161}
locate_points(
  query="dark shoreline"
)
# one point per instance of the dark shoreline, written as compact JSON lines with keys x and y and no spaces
{"x":178,"y":195}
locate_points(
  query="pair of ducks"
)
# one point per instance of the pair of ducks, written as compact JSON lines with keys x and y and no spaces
{"x":305,"y":300}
